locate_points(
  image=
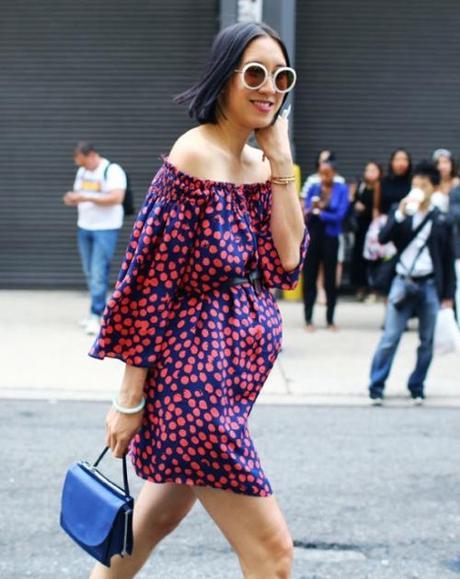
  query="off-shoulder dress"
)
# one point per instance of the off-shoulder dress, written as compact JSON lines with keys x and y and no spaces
{"x":208,"y":350}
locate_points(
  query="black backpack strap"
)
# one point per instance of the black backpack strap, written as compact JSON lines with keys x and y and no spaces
{"x":106,"y":170}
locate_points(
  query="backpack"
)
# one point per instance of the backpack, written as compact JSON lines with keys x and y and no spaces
{"x":128,"y":200}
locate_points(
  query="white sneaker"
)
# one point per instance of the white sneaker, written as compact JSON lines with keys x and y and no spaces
{"x":93,"y":325}
{"x":84,"y":322}
{"x":376,"y":401}
{"x":417,"y":401}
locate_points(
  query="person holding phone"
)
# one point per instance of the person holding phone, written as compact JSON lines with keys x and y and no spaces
{"x":192,"y":315}
{"x":325,"y":209}
{"x":98,"y":192}
{"x":424,"y":280}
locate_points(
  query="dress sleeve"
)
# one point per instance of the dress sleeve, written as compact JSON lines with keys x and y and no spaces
{"x":137,"y":314}
{"x":274,"y":274}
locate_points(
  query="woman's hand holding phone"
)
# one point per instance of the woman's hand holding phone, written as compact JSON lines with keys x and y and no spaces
{"x":274,"y":141}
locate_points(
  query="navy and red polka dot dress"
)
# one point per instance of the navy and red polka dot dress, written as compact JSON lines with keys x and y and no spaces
{"x":208,"y":350}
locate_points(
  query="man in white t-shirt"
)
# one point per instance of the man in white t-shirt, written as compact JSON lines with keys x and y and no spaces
{"x":98,"y":193}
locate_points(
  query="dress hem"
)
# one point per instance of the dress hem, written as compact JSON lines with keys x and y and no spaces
{"x":180,"y":480}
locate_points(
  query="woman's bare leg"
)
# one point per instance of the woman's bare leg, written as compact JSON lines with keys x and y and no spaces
{"x":158,"y":510}
{"x":255,"y":528}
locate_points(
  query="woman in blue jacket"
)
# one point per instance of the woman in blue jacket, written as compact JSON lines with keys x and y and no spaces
{"x":326,"y":205}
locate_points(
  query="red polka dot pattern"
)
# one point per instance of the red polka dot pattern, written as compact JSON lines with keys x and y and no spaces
{"x":209,"y":351}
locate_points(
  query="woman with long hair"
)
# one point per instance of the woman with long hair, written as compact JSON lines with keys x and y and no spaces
{"x":192,"y":315}
{"x":397,"y":182}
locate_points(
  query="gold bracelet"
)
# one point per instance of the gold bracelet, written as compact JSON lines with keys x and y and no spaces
{"x":283,"y":180}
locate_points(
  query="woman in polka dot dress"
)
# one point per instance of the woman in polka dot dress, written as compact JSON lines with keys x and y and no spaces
{"x":198,"y":331}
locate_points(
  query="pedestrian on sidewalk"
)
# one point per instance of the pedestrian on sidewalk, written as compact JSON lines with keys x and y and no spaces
{"x":424,"y":280}
{"x":314,"y":179}
{"x":325,"y":209}
{"x":365,"y":196}
{"x":98,"y":193}
{"x":192,"y":315}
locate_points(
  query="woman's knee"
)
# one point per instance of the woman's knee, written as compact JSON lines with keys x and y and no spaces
{"x":272,"y":558}
{"x":161,"y":509}
{"x":280,"y":548}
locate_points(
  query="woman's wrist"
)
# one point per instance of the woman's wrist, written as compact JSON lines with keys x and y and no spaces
{"x":282,"y":167}
{"x":127,"y":409}
{"x":130,"y":399}
{"x":132,"y":387}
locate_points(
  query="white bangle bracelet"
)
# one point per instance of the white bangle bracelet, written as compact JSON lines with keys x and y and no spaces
{"x":125,"y":410}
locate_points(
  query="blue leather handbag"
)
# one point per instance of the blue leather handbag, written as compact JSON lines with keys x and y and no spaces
{"x":97,"y":513}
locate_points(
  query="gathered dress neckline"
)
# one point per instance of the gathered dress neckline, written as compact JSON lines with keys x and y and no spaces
{"x":212,"y":182}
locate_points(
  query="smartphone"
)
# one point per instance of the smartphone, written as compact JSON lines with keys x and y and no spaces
{"x":284,"y":113}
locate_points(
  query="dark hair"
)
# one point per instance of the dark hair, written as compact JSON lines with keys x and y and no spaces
{"x":226,"y":52}
{"x":330,"y":157}
{"x":84,"y":148}
{"x":429,"y":170}
{"x":393,"y":155}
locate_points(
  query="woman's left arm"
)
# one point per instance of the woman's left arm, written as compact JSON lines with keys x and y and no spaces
{"x":287,"y":222}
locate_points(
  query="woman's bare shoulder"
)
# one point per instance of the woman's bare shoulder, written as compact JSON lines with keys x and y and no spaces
{"x":195,"y":154}
{"x":189,"y":153}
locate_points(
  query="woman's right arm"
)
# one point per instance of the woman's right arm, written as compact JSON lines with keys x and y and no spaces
{"x":120,"y":428}
{"x":132,"y":385}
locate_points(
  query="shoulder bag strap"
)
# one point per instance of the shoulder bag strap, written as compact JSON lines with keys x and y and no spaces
{"x":106,"y":170}
{"x":416,"y":231}
{"x":422,"y":247}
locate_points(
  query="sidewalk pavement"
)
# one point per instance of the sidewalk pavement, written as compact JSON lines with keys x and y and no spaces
{"x":44,"y":355}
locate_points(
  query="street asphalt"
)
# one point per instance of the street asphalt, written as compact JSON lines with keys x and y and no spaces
{"x":368,"y":493}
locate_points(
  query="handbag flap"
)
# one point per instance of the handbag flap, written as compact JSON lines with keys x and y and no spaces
{"x":89,"y":506}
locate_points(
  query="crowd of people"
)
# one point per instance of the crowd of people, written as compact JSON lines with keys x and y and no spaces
{"x":406,"y":229}
{"x":346,"y":219}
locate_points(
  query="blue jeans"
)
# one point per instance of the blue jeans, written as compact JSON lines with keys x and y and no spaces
{"x":96,"y":252}
{"x":425,"y":306}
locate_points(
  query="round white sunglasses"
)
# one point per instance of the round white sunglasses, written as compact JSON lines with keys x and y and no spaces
{"x":254,"y":75}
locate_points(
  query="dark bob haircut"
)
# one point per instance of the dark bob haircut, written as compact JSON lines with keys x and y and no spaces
{"x":393,"y":155}
{"x":226,"y":52}
{"x":429,"y":170}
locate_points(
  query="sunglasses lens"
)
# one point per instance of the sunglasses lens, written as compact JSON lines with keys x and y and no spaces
{"x":254,"y":76}
{"x":285,"y":79}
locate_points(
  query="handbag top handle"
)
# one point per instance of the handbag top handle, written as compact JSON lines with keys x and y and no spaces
{"x":125,"y":469}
